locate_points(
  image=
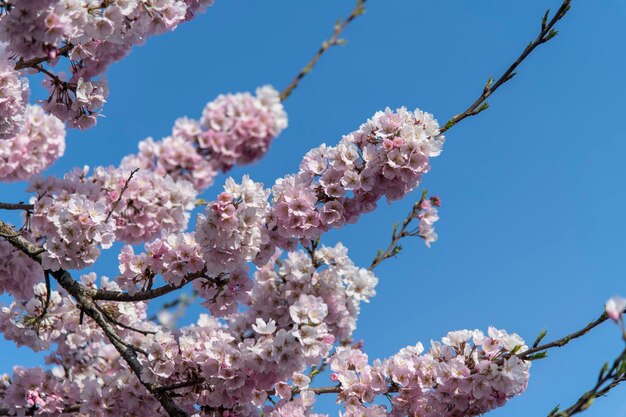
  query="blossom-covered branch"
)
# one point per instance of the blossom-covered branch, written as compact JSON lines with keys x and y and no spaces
{"x":425,"y":213}
{"x":547,"y":32}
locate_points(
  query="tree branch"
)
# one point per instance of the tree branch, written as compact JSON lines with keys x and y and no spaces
{"x":358,"y":10}
{"x":16,"y":206}
{"x":393,"y":249}
{"x":564,"y":340}
{"x":33,"y":63}
{"x":144,"y":295}
{"x":83,"y":297}
{"x":606,"y":382}
{"x":547,"y":33}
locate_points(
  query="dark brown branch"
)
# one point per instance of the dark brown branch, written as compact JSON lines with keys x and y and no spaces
{"x":16,"y":206}
{"x":32,"y":63}
{"x":326,"y":45}
{"x":144,"y":295}
{"x":547,"y":33}
{"x":565,"y":340}
{"x":83,"y":297}
{"x":70,"y":409}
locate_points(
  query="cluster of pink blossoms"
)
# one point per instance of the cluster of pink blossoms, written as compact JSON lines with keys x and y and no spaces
{"x":467,"y":374}
{"x":240,"y":127}
{"x":296,"y":308}
{"x":151,"y":205}
{"x":386,"y":157}
{"x":18,"y":273}
{"x":233,"y":229}
{"x":74,"y":223}
{"x":235,"y":129}
{"x":13,"y":97}
{"x":427,"y":217}
{"x":98,"y":381}
{"x":334,"y":279}
{"x":174,"y":258}
{"x":23,"y":322}
{"x":92,"y":35}
{"x":39,"y":142}
{"x":79,"y":214}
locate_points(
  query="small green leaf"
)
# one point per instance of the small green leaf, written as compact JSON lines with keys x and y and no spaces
{"x":554,"y":411}
{"x":540,"y":337}
{"x":544,"y":21}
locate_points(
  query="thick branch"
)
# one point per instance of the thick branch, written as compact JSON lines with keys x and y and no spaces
{"x":16,"y":206}
{"x":326,"y":45}
{"x":87,"y":305}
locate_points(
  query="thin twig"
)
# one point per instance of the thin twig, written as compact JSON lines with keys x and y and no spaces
{"x":120,"y":324}
{"x":326,"y":45}
{"x":547,"y":33}
{"x":565,"y":340}
{"x":393,"y":249}
{"x":119,"y":198}
{"x":32,"y":63}
{"x":607,"y":380}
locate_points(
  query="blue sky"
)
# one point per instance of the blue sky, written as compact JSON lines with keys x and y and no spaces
{"x":533,"y":231}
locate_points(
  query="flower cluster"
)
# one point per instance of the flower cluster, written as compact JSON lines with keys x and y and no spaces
{"x":467,"y":374}
{"x":240,"y":127}
{"x":35,"y":389}
{"x":233,"y":229}
{"x":334,"y":279}
{"x":615,"y":307}
{"x":235,"y":129}
{"x":76,"y":101}
{"x":39,"y":142}
{"x":427,"y":217}
{"x":175,"y":156}
{"x":13,"y":97}
{"x":18,"y":273}
{"x":175,"y":258}
{"x":148,"y":204}
{"x":386,"y":157}
{"x":92,"y":35}
{"x":75,"y":223}
{"x":25,"y":323}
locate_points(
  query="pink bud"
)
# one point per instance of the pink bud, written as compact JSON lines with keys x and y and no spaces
{"x":615,"y":307}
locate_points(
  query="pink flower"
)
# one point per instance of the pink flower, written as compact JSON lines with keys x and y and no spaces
{"x":615,"y":307}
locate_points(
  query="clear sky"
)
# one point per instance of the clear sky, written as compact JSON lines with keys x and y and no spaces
{"x":532,"y":230}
